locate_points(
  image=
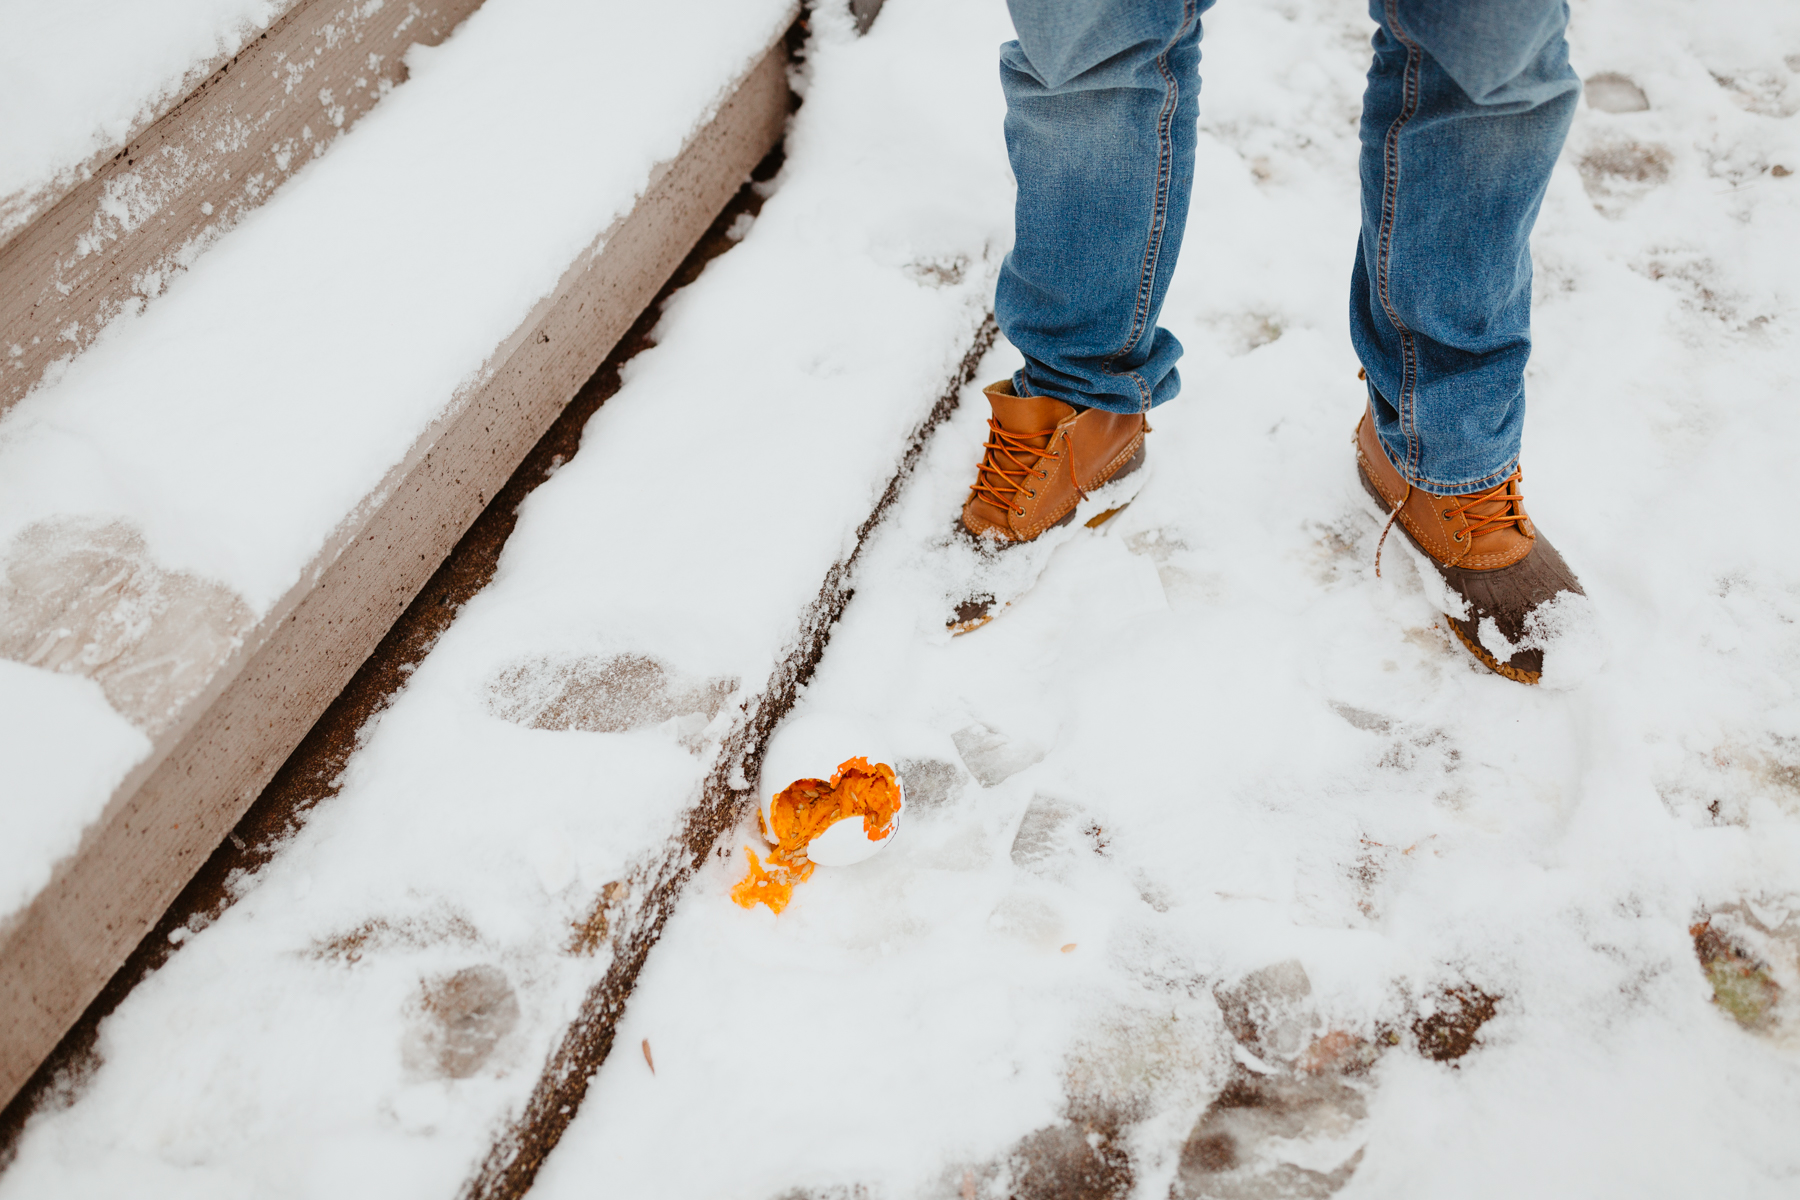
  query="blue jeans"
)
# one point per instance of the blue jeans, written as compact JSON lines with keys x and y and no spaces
{"x":1465,"y":112}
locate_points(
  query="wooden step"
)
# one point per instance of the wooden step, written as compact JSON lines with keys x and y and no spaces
{"x":217,"y":754}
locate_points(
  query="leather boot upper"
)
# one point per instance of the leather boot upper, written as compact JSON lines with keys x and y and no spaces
{"x":1038,"y":447}
{"x":1478,"y":532}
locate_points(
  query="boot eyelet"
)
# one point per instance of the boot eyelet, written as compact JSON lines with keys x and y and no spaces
{"x":1456,"y":537}
{"x":1448,"y":513}
{"x":1018,"y":512}
{"x":1032,"y":494}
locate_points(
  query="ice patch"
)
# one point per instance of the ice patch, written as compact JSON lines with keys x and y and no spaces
{"x":604,"y":695}
{"x":990,"y":757}
{"x":81,"y":596}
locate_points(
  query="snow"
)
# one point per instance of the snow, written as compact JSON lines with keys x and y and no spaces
{"x":79,"y":77}
{"x":488,"y":811}
{"x":44,"y":805}
{"x":336,"y":323}
{"x":1209,"y":807}
{"x":1288,"y":759}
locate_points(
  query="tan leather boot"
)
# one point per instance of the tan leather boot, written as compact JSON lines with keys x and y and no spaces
{"x":1488,"y":553}
{"x":1037,"y":450}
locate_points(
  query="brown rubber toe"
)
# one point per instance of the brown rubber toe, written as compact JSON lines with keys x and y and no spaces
{"x":1486,"y":550}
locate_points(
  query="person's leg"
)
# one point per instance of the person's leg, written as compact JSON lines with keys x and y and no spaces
{"x":1465,"y":113}
{"x":1101,"y":104}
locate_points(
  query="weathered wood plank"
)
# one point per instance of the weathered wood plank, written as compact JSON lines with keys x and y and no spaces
{"x":113,"y":241}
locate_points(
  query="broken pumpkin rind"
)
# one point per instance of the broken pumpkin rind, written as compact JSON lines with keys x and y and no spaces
{"x":805,"y":809}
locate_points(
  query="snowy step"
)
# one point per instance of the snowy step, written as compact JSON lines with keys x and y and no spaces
{"x":87,"y":234}
{"x":209,"y":520}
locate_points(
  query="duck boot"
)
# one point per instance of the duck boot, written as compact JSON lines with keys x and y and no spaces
{"x":1042,"y":457}
{"x":1492,"y":559}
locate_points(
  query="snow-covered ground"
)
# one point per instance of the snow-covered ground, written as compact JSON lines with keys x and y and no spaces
{"x":201,"y":455}
{"x":1226,"y":872}
{"x":1212,"y":745}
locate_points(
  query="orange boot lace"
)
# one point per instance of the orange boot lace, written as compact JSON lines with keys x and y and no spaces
{"x":1509,"y":513}
{"x":1011,"y":462}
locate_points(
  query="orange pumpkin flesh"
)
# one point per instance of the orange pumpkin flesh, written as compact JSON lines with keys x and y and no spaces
{"x":805,"y":809}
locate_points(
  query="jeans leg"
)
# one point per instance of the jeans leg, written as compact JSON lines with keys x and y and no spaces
{"x":1101,"y":104}
{"x":1465,"y":113}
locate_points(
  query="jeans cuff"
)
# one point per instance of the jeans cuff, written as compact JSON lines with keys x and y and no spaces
{"x":1437,"y":487}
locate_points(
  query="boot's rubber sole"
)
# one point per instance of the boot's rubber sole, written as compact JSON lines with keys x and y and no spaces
{"x":1489,"y":661}
{"x":1474,"y":647}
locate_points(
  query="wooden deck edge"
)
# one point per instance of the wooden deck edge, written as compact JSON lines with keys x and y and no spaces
{"x":58,"y":952}
{"x":114,"y":238}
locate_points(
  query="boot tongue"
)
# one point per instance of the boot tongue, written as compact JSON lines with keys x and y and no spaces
{"x":1019,"y":415}
{"x":1027,"y":414}
{"x":1497,"y":539}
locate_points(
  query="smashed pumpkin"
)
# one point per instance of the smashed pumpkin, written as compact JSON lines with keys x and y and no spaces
{"x":805,"y":809}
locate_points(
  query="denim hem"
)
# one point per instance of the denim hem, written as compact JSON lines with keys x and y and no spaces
{"x":1024,"y":387}
{"x":1437,"y":487}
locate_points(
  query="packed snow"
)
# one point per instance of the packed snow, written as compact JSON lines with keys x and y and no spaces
{"x":78,"y":78}
{"x":1225,"y":870}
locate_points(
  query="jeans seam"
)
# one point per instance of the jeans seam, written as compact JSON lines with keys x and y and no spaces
{"x":1406,"y":402}
{"x":1159,"y":213}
